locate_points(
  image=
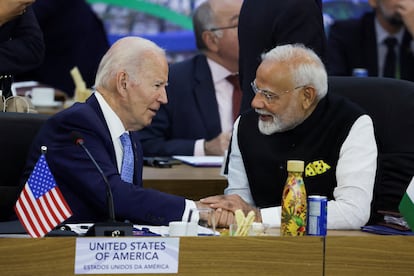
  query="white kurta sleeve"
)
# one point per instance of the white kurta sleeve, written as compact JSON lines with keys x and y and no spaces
{"x":355,"y":175}
{"x":237,"y":178}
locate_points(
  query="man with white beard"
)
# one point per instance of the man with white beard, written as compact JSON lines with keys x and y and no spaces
{"x":295,"y":118}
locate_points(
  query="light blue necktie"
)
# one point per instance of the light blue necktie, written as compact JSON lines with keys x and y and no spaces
{"x":127,"y":169}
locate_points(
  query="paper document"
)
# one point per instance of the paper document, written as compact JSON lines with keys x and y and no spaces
{"x":201,"y":161}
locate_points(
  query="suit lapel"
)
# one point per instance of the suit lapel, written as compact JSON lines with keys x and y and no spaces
{"x":93,"y":102}
{"x":138,"y":158}
{"x":370,"y":46}
{"x":406,"y":58}
{"x":204,"y":93}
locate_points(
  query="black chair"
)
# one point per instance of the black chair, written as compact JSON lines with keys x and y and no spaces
{"x":390,"y":103}
{"x":17,"y":131}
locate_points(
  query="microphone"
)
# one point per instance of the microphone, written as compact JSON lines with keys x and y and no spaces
{"x":112,"y":227}
{"x":78,"y":140}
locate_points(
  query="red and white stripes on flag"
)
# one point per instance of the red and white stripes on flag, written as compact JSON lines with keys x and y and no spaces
{"x":41,"y":205}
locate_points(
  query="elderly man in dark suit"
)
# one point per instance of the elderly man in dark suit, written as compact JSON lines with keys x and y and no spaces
{"x":199,"y":116}
{"x":130,"y":87}
{"x":362,"y":42}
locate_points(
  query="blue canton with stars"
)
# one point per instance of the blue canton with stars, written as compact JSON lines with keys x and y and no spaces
{"x":41,"y":180}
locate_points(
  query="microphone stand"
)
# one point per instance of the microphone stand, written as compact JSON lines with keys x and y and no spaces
{"x":110,"y":228}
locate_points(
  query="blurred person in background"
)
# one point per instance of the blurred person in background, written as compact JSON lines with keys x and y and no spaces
{"x":74,"y":36}
{"x":362,"y":42}
{"x":199,"y":115}
{"x":21,"y":41}
{"x":265,"y":24}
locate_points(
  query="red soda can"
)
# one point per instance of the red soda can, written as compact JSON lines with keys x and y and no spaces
{"x":317,"y":215}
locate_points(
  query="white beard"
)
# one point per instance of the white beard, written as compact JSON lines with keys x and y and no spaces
{"x":289,"y":121}
{"x":268,"y":128}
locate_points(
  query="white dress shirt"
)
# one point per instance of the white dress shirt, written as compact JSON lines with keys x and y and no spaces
{"x":116,"y":129}
{"x":355,"y":174}
{"x":224,"y":96}
{"x":115,"y":126}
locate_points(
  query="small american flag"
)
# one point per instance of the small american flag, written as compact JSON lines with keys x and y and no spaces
{"x":41,"y":205}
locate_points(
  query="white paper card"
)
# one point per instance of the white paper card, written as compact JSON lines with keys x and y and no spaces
{"x":126,"y":255}
{"x":201,"y":161}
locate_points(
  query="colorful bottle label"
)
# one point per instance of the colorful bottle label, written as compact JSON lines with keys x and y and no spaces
{"x":294,"y":206}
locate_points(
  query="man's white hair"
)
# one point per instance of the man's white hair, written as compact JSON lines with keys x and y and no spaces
{"x":305,"y":66}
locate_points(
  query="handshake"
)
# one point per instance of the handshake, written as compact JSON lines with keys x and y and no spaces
{"x":231,"y":209}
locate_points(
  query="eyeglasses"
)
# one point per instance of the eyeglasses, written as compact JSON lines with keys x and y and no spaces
{"x":222,"y":28}
{"x":270,"y":95}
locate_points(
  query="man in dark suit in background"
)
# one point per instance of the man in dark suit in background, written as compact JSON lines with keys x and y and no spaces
{"x":265,"y":24}
{"x":74,"y":36}
{"x":130,"y":87}
{"x":198,"y":118}
{"x":361,"y":43}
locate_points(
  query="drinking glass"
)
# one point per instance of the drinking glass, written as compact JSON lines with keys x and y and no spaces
{"x":205,"y":219}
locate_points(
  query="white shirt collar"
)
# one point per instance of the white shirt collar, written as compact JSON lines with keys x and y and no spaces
{"x":116,"y":128}
{"x":218,"y":72}
{"x":383,"y":34}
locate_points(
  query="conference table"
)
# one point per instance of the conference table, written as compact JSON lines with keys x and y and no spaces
{"x":339,"y":253}
{"x":368,"y":254}
{"x":184,"y":180}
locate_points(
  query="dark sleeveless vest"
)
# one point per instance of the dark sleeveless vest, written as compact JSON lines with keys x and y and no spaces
{"x":318,"y":138}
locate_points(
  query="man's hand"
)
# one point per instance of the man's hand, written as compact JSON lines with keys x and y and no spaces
{"x":9,"y":9}
{"x":406,"y":9}
{"x":222,"y":217}
{"x":218,"y":145}
{"x":231,"y":203}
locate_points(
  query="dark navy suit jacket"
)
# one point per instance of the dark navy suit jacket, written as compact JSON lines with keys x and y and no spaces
{"x":353,"y":44}
{"x":79,"y":180}
{"x":190,"y":114}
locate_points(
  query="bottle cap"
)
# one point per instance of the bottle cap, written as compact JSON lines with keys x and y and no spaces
{"x":295,"y":165}
{"x":359,"y":72}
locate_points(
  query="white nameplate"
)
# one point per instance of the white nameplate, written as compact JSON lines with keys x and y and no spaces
{"x":126,"y":255}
